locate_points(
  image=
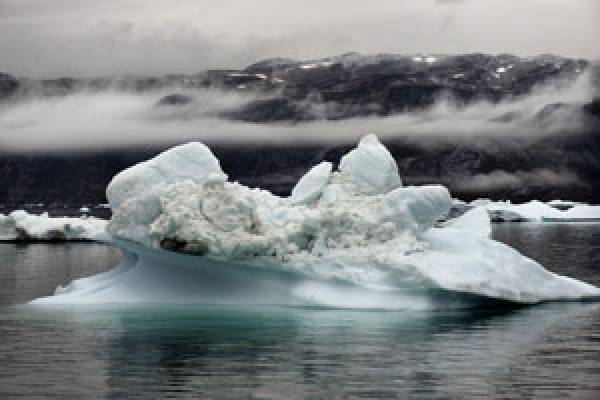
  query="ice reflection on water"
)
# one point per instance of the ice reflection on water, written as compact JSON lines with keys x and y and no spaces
{"x":550,"y":350}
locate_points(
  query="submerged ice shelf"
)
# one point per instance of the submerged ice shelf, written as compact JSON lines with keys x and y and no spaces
{"x":351,"y":237}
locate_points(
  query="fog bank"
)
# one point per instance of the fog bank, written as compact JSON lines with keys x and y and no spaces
{"x":114,"y":119}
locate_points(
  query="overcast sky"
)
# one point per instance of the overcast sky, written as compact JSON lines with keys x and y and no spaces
{"x":45,"y":38}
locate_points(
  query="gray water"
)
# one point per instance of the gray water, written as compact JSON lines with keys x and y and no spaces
{"x":545,"y":351}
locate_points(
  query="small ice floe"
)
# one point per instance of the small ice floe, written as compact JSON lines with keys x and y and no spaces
{"x":537,"y":211}
{"x":21,"y":226}
{"x":577,"y":213}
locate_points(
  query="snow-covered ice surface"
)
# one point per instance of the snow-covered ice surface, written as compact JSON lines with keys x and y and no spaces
{"x":354,"y":237}
{"x":22,"y":226}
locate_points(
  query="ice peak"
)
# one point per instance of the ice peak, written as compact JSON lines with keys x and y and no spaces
{"x":371,"y":166}
{"x":193,"y":161}
{"x":369,"y":139}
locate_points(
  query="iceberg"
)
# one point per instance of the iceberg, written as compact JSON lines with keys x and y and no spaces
{"x":347,"y":237}
{"x":537,"y":211}
{"x":577,"y":213}
{"x":21,"y":226}
{"x":530,"y":211}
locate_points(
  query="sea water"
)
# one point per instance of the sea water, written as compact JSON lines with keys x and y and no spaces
{"x":194,"y":351}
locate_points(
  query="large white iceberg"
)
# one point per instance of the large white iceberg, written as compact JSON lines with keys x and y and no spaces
{"x":354,"y":237}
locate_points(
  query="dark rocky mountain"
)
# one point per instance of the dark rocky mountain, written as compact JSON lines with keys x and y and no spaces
{"x":557,"y":165}
{"x":535,"y":168}
{"x":351,"y":84}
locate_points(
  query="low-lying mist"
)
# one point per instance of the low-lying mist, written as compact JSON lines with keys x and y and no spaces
{"x":116,"y":119}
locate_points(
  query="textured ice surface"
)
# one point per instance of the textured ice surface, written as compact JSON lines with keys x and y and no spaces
{"x":135,"y":193}
{"x":20,"y":225}
{"x":347,"y":238}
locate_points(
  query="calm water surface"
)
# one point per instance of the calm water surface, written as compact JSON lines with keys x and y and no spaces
{"x":546,"y":351}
